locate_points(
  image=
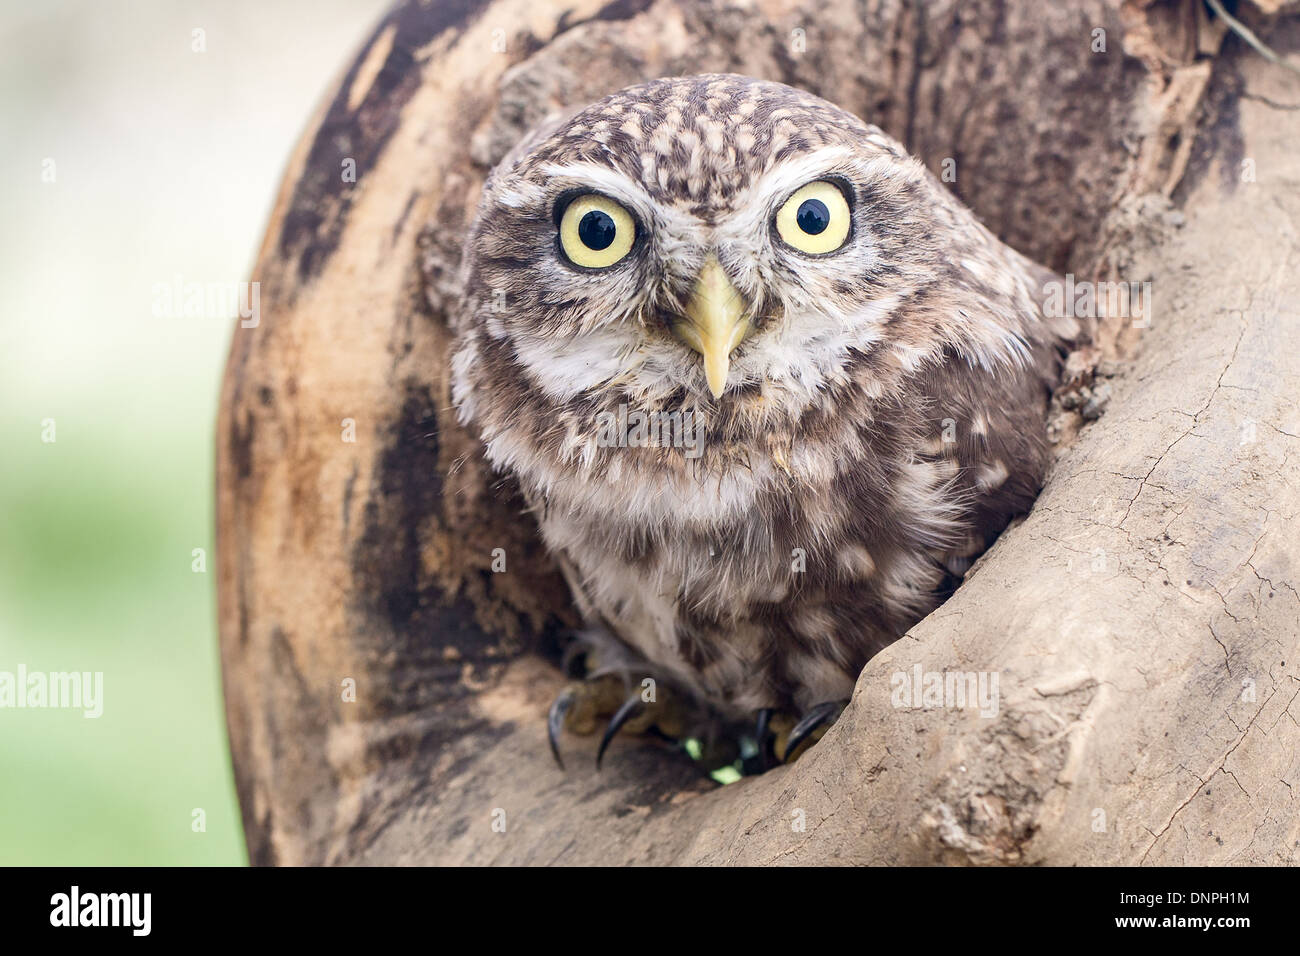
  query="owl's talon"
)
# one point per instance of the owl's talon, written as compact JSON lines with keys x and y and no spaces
{"x":579,"y":708}
{"x":555,"y":720}
{"x":823,"y":715}
{"x":630,"y":708}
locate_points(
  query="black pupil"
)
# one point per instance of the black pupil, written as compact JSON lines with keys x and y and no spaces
{"x":596,"y":230}
{"x":813,"y":216}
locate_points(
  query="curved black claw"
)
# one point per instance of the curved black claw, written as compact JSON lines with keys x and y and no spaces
{"x":555,"y":720}
{"x":629,"y":709}
{"x":810,"y":722}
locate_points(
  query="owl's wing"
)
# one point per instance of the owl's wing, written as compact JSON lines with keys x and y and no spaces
{"x":989,"y":430}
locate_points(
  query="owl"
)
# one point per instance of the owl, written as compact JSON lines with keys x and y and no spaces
{"x":767,"y":386}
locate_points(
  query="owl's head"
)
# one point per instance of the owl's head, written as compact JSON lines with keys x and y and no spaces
{"x":721,"y":243}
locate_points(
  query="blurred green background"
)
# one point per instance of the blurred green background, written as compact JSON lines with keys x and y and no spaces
{"x":165,"y":164}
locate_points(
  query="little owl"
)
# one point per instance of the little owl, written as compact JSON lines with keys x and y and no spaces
{"x":839,"y":380}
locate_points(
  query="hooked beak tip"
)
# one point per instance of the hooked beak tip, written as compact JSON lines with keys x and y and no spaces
{"x":714,"y":323}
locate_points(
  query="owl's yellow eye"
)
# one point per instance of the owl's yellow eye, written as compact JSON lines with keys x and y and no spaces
{"x":596,"y":232}
{"x":815,"y":219}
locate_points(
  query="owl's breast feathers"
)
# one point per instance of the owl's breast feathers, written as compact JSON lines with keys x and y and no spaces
{"x":772,"y":582}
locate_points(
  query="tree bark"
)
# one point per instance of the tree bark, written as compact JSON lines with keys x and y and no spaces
{"x":386,"y":688}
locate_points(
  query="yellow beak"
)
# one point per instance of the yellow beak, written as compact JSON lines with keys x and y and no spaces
{"x":716,"y":320}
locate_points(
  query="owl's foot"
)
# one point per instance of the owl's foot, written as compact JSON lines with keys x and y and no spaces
{"x":781,"y":735}
{"x":612,"y":688}
{"x":581,"y":705}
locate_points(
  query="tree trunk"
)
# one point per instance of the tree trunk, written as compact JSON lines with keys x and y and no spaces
{"x":386,"y":688}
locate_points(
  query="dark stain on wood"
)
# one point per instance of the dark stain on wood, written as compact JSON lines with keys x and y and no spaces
{"x":349,"y":488}
{"x":1220,"y":139}
{"x":406,"y":491}
{"x":241,"y":442}
{"x":433,"y":632}
{"x":314,"y":221}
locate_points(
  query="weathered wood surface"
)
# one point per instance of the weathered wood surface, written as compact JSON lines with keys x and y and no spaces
{"x":1154,"y":578}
